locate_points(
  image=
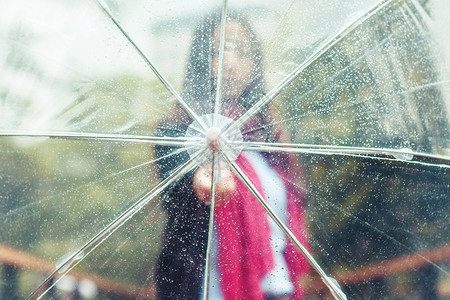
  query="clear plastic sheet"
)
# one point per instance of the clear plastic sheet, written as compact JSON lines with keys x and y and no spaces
{"x":137,"y":158}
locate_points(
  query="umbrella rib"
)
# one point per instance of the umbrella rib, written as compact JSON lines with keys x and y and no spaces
{"x":15,"y":212}
{"x":355,"y":103}
{"x":334,"y":289}
{"x":176,"y":152}
{"x":339,"y":150}
{"x":330,"y":42}
{"x":158,"y":74}
{"x":276,"y":32}
{"x":219,"y":87}
{"x":335,"y":75}
{"x":211,"y":226}
{"x":382,"y":233}
{"x":164,"y":141}
{"x":101,"y":236}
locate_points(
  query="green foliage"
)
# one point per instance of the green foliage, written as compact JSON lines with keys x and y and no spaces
{"x":375,"y":89}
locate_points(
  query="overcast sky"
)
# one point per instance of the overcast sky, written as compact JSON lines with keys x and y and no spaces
{"x":75,"y":39}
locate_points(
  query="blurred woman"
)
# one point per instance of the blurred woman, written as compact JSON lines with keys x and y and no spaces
{"x":251,"y":257}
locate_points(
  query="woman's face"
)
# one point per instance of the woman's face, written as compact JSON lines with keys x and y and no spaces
{"x":237,"y":62}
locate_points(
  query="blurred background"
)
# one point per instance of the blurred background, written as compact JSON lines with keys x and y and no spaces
{"x":377,"y":224}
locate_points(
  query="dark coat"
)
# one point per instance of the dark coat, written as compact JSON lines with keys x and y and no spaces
{"x":181,"y":262}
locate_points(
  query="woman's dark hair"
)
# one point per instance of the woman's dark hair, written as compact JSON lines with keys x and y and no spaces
{"x":199,"y":86}
{"x":199,"y":89}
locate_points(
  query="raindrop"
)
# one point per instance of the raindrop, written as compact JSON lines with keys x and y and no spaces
{"x":63,"y":264}
{"x":403,"y":154}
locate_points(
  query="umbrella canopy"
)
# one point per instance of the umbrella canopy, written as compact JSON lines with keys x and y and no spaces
{"x":229,"y":143}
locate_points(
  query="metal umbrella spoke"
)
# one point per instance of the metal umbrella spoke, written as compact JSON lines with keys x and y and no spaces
{"x":325,"y":46}
{"x":211,"y":226}
{"x":334,"y":289}
{"x":353,"y":103}
{"x":373,"y":228}
{"x":405,"y":155}
{"x":219,"y":86}
{"x":163,"y":80}
{"x":18,"y":211}
{"x":102,"y":137}
{"x":108,"y":230}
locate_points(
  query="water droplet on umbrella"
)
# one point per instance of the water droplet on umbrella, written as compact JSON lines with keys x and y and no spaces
{"x":403,"y":154}
{"x":67,"y":260}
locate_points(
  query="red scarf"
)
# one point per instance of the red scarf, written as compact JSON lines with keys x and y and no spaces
{"x":245,"y":255}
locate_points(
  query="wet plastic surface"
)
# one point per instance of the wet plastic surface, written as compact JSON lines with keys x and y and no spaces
{"x":99,"y":124}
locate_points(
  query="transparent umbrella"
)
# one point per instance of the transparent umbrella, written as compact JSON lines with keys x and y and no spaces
{"x":194,"y":149}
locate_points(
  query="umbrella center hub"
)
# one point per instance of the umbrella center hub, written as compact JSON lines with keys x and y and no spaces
{"x":218,"y":136}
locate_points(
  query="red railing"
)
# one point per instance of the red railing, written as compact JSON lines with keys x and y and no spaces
{"x":26,"y":261}
{"x":391,"y":267}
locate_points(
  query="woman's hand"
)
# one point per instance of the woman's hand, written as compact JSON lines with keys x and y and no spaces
{"x":225,"y":184}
